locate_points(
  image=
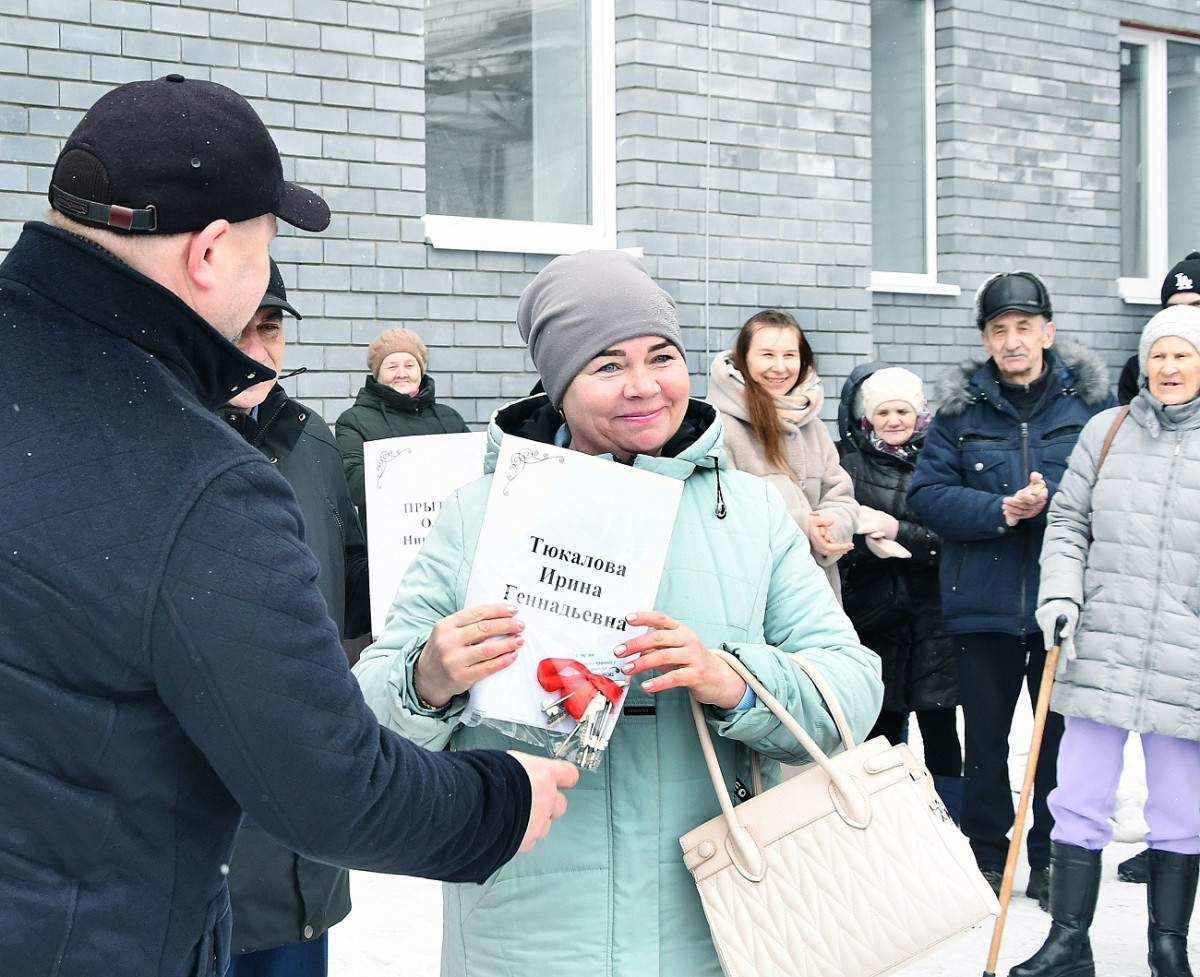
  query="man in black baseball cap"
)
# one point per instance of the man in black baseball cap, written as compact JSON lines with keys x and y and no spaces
{"x":991,"y":462}
{"x":174,"y":155}
{"x":161,"y":616}
{"x":1013,"y":291}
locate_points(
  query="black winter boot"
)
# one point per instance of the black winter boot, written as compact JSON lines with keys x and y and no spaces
{"x":1074,"y":888}
{"x":1170,"y":898}
{"x":1134,"y":869}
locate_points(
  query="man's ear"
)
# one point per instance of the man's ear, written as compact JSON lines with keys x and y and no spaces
{"x":1049,"y":335}
{"x":204,"y":250}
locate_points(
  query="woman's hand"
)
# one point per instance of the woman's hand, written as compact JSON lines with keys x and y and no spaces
{"x":877,"y":524}
{"x":822,"y":540}
{"x":681,"y":659}
{"x":463,"y":648}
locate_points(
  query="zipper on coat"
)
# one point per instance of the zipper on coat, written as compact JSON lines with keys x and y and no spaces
{"x":1170,"y":482}
{"x":337,"y":517}
{"x":264,"y":425}
{"x":1023,"y":602}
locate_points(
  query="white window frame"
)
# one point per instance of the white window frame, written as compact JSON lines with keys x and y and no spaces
{"x":1147,"y":291}
{"x":543,"y":237}
{"x":926,"y":283}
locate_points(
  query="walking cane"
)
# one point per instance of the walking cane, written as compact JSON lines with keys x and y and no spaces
{"x":1035,"y":747}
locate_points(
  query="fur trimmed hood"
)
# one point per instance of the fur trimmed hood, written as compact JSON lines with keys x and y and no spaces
{"x":1079,"y":370}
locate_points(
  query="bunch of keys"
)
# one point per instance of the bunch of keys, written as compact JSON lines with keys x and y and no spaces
{"x":589,"y":698}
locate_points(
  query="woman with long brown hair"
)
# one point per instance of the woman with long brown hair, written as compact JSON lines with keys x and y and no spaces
{"x":768,"y":391}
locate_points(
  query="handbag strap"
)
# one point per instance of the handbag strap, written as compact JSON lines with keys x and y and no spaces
{"x":831,"y":701}
{"x":852,"y":801}
{"x":831,"y":704}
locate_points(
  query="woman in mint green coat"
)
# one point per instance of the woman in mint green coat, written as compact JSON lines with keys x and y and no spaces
{"x":607,"y":892}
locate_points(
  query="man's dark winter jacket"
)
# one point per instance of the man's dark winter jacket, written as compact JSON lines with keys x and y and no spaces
{"x":882,"y":596}
{"x":278,"y":896}
{"x":165,"y":656}
{"x":977,"y":451}
{"x":380,"y":412}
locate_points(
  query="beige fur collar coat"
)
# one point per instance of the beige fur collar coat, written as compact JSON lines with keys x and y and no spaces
{"x":816,"y":482}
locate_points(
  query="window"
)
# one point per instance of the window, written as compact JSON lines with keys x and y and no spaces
{"x":519,"y":145}
{"x":1160,"y":158}
{"x":903,"y":177}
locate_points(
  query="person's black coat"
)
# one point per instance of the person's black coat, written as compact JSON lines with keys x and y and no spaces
{"x":891,"y":597}
{"x":280,"y":897}
{"x":166,"y":659}
{"x":1127,"y":383}
{"x":380,"y":412}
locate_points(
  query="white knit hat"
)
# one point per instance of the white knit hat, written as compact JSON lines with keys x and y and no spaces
{"x":1175,"y":320}
{"x":890,"y":383}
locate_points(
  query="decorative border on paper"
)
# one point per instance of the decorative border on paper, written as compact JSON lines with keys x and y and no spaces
{"x":524,"y":457}
{"x":391,"y":454}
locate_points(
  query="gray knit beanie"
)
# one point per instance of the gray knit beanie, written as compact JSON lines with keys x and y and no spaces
{"x":1175,"y":320}
{"x":581,"y":304}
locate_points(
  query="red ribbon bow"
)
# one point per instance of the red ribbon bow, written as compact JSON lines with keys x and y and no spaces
{"x":578,"y":683}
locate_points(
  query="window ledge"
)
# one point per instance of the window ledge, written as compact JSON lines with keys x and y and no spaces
{"x":1140,"y":291}
{"x":517,"y":237}
{"x":910,"y":284}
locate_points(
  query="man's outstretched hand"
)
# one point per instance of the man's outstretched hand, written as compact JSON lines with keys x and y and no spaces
{"x":548,"y":779}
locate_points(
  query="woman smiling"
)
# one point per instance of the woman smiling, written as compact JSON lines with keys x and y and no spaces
{"x":770,"y":397}
{"x":607,"y":892}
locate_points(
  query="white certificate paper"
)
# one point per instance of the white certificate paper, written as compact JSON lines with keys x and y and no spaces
{"x":576,"y":543}
{"x":407,"y":480}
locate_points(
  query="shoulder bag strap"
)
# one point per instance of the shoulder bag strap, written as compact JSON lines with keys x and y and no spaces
{"x":831,"y":702}
{"x":855,"y":802}
{"x":1112,"y":433}
{"x":832,"y":706}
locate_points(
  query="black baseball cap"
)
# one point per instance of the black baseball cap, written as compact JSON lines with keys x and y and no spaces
{"x":1013,"y":291}
{"x":173,"y":155}
{"x":276,"y":296}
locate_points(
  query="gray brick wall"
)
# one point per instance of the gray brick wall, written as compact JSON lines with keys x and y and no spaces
{"x":775,"y":210}
{"x":743,"y":168}
{"x":1028,"y":151}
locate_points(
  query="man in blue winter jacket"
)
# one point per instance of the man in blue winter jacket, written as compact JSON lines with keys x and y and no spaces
{"x":166,"y":659}
{"x":992,"y":459}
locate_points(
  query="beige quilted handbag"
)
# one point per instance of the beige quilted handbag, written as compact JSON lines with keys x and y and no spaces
{"x":852,"y":868}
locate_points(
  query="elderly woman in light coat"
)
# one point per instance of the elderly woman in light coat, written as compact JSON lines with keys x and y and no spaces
{"x":1121,"y":564}
{"x":607,"y":891}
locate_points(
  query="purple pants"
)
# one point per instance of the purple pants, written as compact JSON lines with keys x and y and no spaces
{"x":1090,"y":758}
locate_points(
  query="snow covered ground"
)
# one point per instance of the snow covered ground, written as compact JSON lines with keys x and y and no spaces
{"x":395,"y":927}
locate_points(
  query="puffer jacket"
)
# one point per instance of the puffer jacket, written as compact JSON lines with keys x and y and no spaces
{"x":279,"y":897}
{"x":380,"y":412}
{"x":606,"y":893}
{"x":816,"y":481}
{"x":977,"y":451}
{"x":1138,"y":583}
{"x":881,"y":595}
